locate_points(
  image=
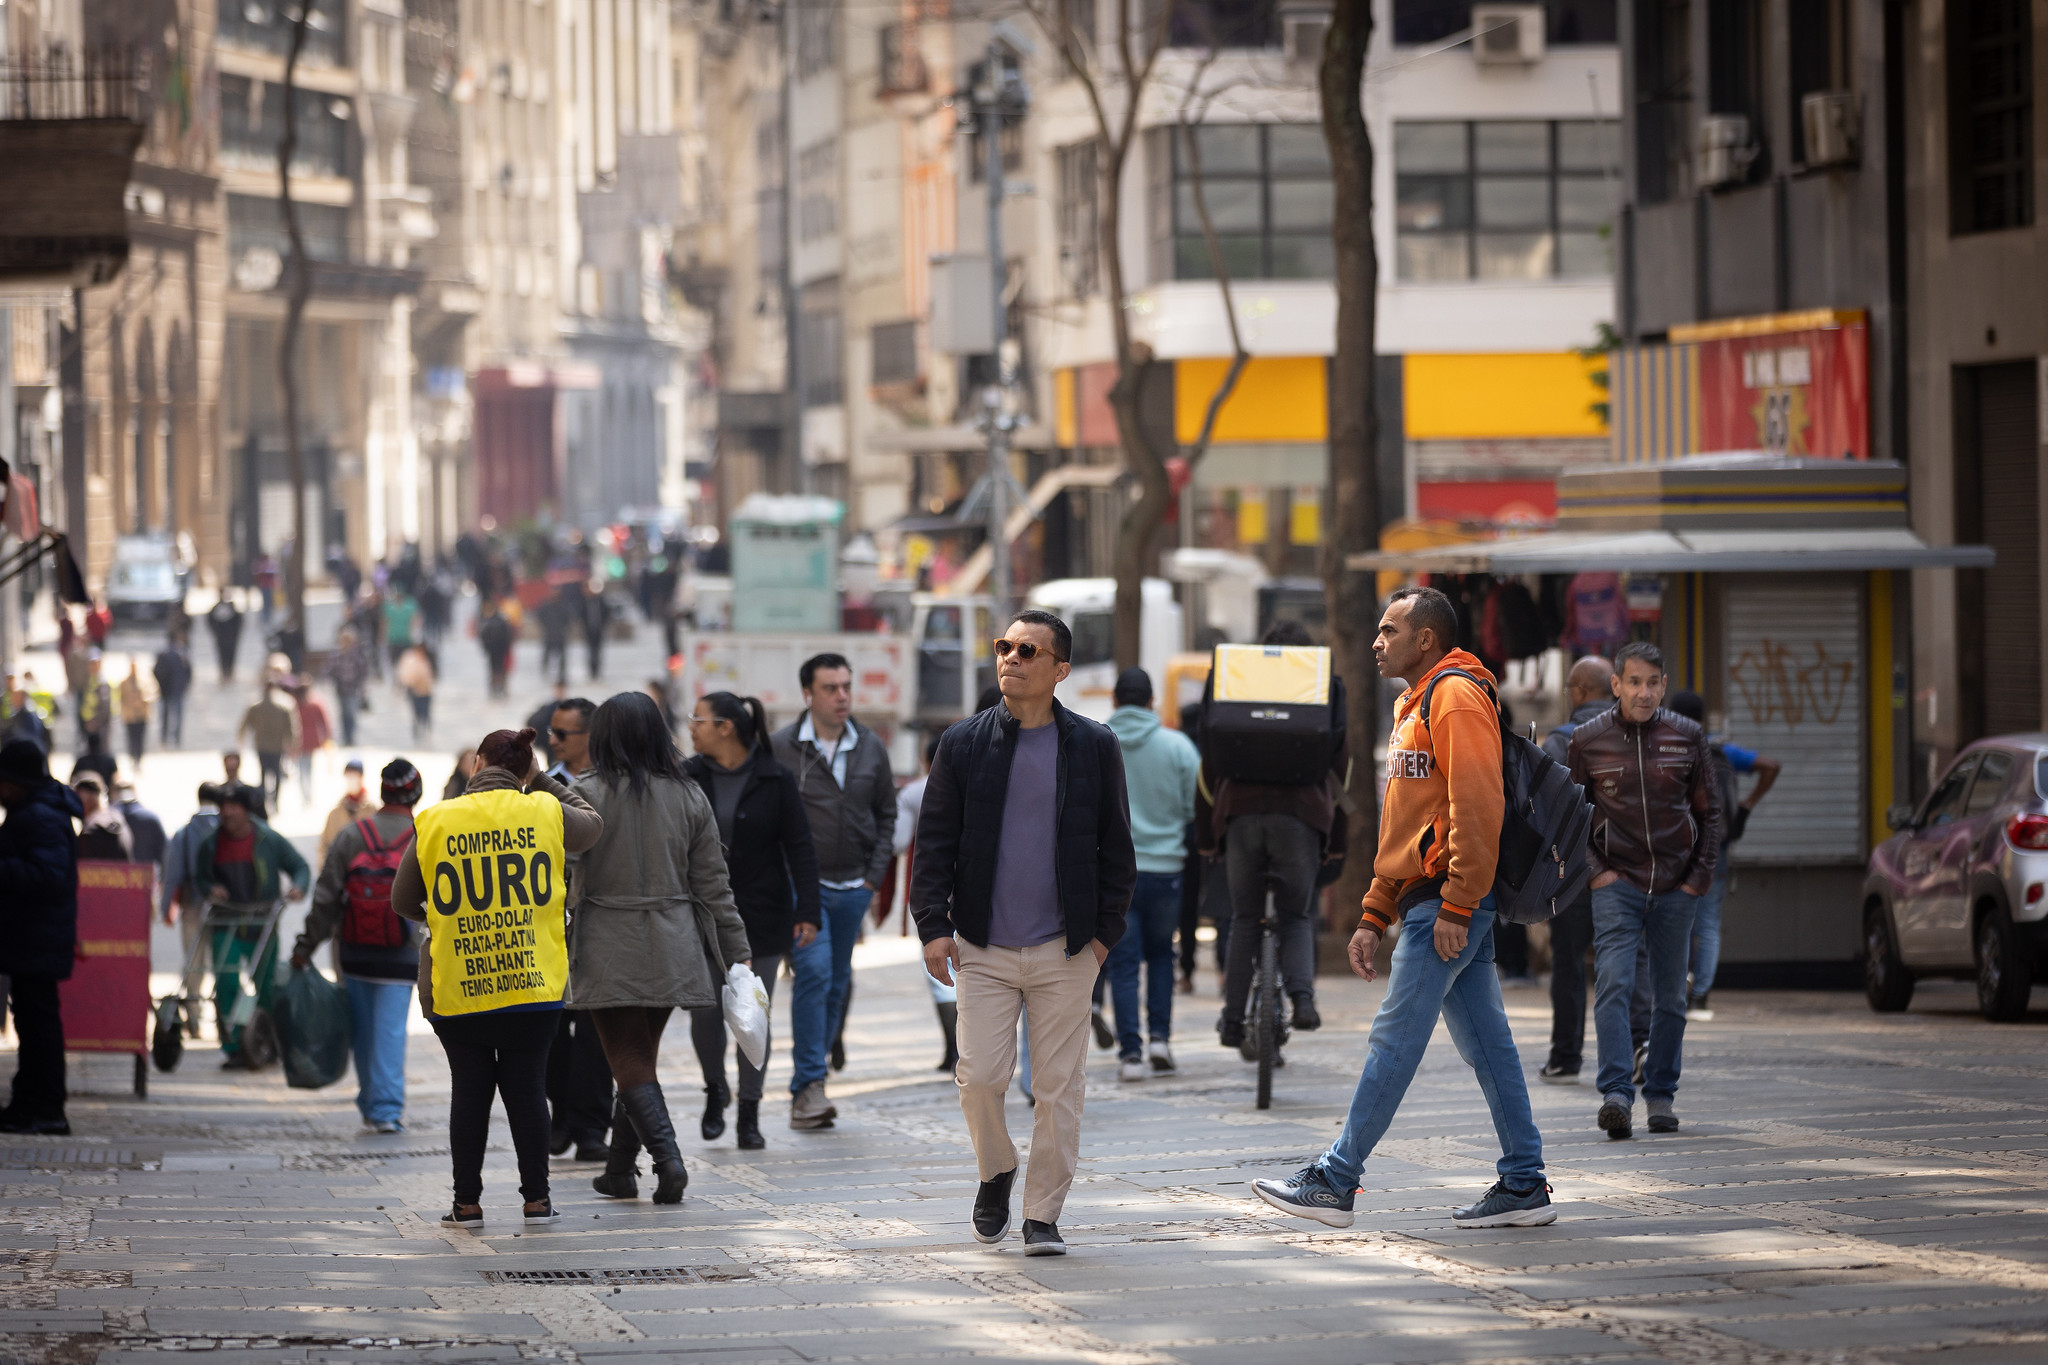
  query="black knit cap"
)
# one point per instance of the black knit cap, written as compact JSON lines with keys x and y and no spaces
{"x":400,"y":783}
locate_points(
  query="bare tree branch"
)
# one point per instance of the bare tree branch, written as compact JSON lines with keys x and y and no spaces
{"x":1194,"y":111}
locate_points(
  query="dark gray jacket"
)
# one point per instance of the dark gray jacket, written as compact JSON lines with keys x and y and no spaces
{"x":854,"y":831}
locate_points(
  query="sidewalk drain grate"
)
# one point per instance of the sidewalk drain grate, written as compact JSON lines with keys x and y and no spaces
{"x":16,"y":1157}
{"x":673,"y":1274}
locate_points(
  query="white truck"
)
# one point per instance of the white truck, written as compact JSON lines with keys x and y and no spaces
{"x":931,"y":676}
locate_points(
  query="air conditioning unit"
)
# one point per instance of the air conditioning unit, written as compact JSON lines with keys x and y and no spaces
{"x":1725,"y":150}
{"x":1834,"y":124}
{"x":1301,"y":35}
{"x":1507,"y":35}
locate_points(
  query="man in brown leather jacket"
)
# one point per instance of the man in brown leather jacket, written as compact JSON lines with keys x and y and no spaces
{"x":1655,"y":842}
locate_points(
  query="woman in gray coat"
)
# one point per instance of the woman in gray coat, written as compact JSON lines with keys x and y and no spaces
{"x":655,"y":926}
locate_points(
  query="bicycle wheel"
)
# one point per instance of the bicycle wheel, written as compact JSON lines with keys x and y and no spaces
{"x":1266,"y":1023}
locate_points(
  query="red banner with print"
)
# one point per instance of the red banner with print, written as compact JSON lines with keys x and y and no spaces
{"x":105,"y":1004}
{"x":1797,"y":393}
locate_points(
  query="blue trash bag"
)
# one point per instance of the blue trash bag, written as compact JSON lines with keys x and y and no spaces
{"x":311,"y":1013}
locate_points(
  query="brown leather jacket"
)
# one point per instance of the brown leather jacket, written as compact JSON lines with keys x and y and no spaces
{"x":1656,"y":813}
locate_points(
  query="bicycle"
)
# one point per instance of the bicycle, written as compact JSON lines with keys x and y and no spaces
{"x":1265,"y":1010}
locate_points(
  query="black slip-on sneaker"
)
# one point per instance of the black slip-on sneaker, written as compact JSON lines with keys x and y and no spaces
{"x":1043,"y":1239}
{"x":461,"y":1217}
{"x":992,"y":1208}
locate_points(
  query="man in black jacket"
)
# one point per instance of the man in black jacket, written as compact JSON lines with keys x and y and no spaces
{"x":842,"y":771}
{"x":38,"y":929}
{"x":1024,"y":867}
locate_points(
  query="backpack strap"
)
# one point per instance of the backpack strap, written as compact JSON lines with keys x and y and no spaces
{"x":1473,"y":678}
{"x":368,"y":829}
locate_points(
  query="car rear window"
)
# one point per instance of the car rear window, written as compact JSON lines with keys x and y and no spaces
{"x":2041,"y":776}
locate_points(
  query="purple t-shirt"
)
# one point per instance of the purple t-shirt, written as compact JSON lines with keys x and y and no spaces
{"x":1025,"y":910}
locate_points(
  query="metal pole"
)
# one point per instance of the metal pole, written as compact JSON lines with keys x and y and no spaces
{"x":991,"y":119}
{"x":792,"y":304}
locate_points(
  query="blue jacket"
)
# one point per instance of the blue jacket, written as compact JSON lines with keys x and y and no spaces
{"x":1160,"y":768}
{"x":39,"y":869}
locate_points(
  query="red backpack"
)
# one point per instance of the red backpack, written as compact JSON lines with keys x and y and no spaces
{"x":370,"y":921}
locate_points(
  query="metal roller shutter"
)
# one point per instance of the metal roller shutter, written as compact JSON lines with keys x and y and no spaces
{"x":1794,"y":655}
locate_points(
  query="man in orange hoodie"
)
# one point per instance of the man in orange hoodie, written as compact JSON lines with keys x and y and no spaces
{"x":1439,"y":843}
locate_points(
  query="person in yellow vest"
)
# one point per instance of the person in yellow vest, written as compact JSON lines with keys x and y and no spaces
{"x":484,"y":874}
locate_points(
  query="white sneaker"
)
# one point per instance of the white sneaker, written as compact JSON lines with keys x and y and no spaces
{"x":1699,"y":1014}
{"x":1132,"y":1069}
{"x":1161,"y":1057}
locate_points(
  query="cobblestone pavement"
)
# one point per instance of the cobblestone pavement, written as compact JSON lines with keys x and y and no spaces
{"x":1847,"y":1187}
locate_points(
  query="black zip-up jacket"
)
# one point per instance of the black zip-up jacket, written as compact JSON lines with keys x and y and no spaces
{"x":771,"y":863}
{"x":959,"y":831}
{"x":1656,"y":811}
{"x":853,"y":830}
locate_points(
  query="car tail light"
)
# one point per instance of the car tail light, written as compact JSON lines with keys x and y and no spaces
{"x":2034,"y":894}
{"x":2028,"y":831}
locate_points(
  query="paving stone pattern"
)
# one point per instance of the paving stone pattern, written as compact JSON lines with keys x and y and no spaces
{"x":1847,"y":1188}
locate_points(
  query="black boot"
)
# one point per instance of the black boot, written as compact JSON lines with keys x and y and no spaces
{"x":649,"y":1111}
{"x":712,"y":1126}
{"x":949,"y":1024}
{"x":621,"y":1166}
{"x":747,"y":1126}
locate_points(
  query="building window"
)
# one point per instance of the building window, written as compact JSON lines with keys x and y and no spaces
{"x":1524,"y":200}
{"x":1079,"y":180}
{"x":1990,"y":115}
{"x":1566,"y":22}
{"x":1222,"y":23}
{"x":817,"y":41}
{"x":1267,"y":189}
{"x":257,"y":222}
{"x":819,"y":339}
{"x":266,"y":25}
{"x":817,"y":179}
{"x":893,"y":348}
{"x":1817,"y":58}
{"x":252,"y":126}
{"x":1663,"y":57}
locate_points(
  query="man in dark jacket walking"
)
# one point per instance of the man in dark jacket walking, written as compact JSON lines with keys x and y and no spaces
{"x":1655,"y":843}
{"x":1591,"y":686}
{"x":173,"y":671}
{"x":38,"y":929}
{"x":1024,"y":868}
{"x":842,"y":771}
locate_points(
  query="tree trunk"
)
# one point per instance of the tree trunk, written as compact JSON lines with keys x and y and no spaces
{"x":1354,"y":522}
{"x":1138,"y":534}
{"x":298,"y":285}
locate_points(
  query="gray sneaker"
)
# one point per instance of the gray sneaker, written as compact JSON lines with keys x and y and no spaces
{"x":1663,"y":1119}
{"x":810,"y":1109}
{"x":1501,"y":1207}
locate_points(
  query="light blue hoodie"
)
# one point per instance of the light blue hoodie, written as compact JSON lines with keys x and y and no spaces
{"x":1159,"y":770}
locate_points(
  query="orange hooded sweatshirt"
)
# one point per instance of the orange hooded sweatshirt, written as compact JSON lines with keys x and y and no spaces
{"x":1442,"y":810}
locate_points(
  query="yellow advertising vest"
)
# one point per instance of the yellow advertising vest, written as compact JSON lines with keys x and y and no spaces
{"x":492,"y":862}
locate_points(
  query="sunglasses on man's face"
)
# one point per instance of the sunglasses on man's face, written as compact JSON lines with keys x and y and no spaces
{"x":559,"y":733}
{"x":1024,"y":650}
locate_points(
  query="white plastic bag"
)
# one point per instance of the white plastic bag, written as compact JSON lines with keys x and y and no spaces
{"x":746,"y":1011}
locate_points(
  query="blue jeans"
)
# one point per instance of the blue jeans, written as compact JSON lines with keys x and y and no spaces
{"x":810,"y":1042}
{"x":1706,"y":935}
{"x":1625,"y":918}
{"x":1420,"y":987}
{"x":843,"y":911}
{"x":376,"y":1022}
{"x":1148,"y":938}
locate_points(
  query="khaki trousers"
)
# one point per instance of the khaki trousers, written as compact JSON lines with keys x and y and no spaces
{"x":1054,"y":992}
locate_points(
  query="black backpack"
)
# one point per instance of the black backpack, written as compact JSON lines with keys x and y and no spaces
{"x":1544,"y":824}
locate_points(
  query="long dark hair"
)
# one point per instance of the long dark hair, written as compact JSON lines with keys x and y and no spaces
{"x":630,"y":743}
{"x":749,"y":719}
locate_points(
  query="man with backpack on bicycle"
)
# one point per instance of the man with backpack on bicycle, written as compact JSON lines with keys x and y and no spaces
{"x":1656,"y":842}
{"x":1435,"y":872}
{"x":1277,"y":834}
{"x":380,"y":958}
